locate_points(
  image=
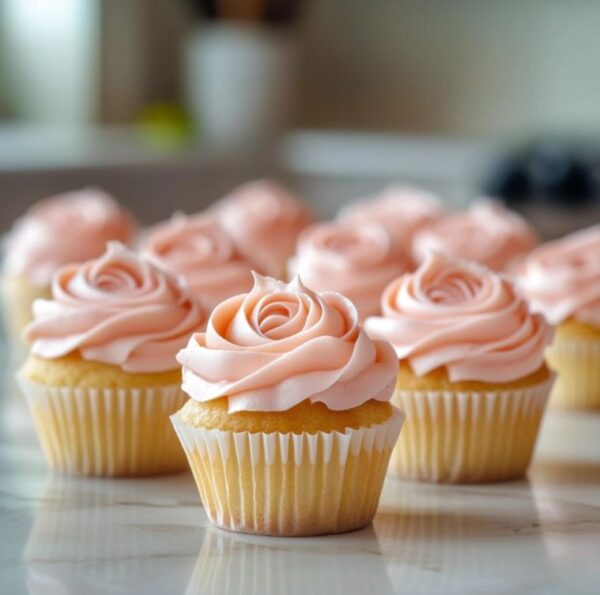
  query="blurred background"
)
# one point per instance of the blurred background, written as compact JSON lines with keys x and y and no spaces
{"x":170,"y":103}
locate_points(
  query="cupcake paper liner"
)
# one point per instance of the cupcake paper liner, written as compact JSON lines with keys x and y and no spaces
{"x":468,"y":437}
{"x":578,"y":365}
{"x":290,"y":484}
{"x":107,"y":432}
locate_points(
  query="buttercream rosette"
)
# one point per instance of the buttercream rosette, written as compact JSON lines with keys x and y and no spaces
{"x":561,"y":279}
{"x":281,"y":344}
{"x":402,"y":209}
{"x":200,"y":250}
{"x":67,"y":228}
{"x":265,"y":221}
{"x":486,"y":233}
{"x":120,"y":310}
{"x":267,"y":352}
{"x":472,"y":379}
{"x":464,"y":318}
{"x":70,"y":227}
{"x":102,"y":378}
{"x":355,"y":259}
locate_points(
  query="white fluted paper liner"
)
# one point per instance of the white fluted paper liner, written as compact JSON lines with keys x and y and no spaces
{"x":578,"y":365}
{"x":290,"y":484}
{"x":453,"y":436}
{"x":106,"y":432}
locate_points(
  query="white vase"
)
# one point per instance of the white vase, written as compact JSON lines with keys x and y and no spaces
{"x":240,"y":82}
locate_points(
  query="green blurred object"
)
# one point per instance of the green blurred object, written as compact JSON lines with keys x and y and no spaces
{"x":165,"y":127}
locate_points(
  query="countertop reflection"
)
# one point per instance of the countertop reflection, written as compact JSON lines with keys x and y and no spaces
{"x":69,"y":535}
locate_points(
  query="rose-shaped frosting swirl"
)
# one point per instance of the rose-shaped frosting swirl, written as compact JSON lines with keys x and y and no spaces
{"x":486,"y":233}
{"x":356,"y":259}
{"x":281,"y":344}
{"x":71,"y":227}
{"x":264,"y":220}
{"x":119,"y":309}
{"x":403,"y":210}
{"x":562,"y":278}
{"x":464,"y":317}
{"x":201,"y":251}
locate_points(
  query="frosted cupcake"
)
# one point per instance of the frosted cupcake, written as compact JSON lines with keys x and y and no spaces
{"x":356,"y":259}
{"x":562,"y":281}
{"x":289,"y":428}
{"x":472,"y":378}
{"x":486,"y":233}
{"x":201,"y":251}
{"x":265,"y":221}
{"x":403,"y":210}
{"x":67,"y":228}
{"x":102,"y":378}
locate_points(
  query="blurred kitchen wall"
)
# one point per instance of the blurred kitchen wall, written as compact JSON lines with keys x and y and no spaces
{"x":3,"y":98}
{"x":466,"y":67}
{"x":505,"y":68}
{"x":48,"y":53}
{"x":140,"y":55}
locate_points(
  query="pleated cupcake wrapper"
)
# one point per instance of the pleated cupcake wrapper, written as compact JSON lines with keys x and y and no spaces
{"x":107,"y":432}
{"x":466,"y":437}
{"x":290,"y":484}
{"x":578,"y":365}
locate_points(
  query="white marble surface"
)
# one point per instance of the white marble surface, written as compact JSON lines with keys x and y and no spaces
{"x":62,"y":535}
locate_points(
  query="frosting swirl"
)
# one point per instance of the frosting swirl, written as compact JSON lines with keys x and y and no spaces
{"x":281,"y":344}
{"x":356,"y":259}
{"x":264,"y":220}
{"x":463,"y":317}
{"x":562,"y":278}
{"x":120,"y":310}
{"x":487,"y":233}
{"x":201,"y":251}
{"x":402,"y":209}
{"x":70,"y":227}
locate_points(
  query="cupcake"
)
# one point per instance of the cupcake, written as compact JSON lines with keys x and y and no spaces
{"x":201,"y":251}
{"x":403,"y":210}
{"x":486,"y":233}
{"x":102,"y":379}
{"x":289,"y":428}
{"x":265,"y":221}
{"x":356,"y":259}
{"x":472,"y":379}
{"x":562,"y":281}
{"x":60,"y":230}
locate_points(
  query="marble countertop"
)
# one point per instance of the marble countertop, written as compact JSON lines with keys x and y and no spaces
{"x":85,"y":536}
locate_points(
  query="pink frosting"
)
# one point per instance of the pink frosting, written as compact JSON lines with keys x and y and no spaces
{"x":70,"y":227}
{"x":200,"y":250}
{"x":463,"y":317}
{"x":281,"y":344}
{"x":403,"y":210}
{"x":562,"y":278}
{"x":264,"y":220}
{"x":356,"y":259}
{"x":120,"y":309}
{"x":487,"y":233}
